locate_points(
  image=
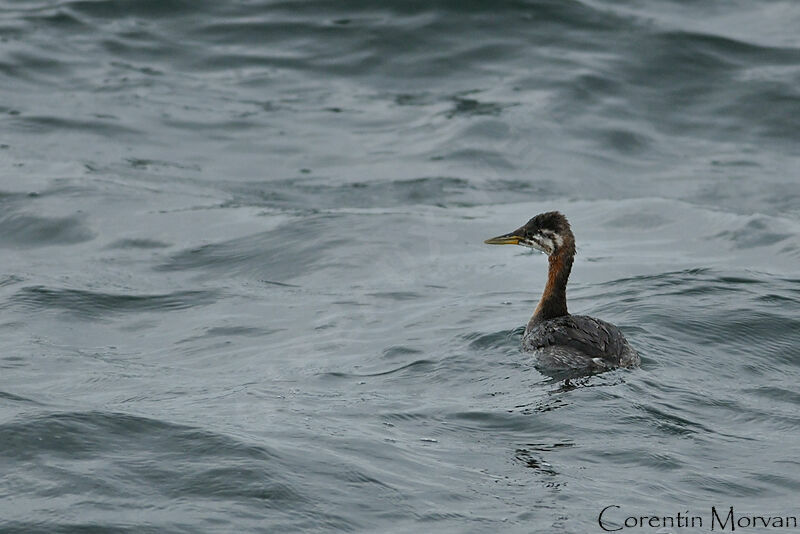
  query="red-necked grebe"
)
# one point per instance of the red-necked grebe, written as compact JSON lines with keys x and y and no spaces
{"x":564,"y":343}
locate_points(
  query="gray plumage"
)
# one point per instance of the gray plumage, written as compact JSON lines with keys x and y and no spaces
{"x":563,"y":344}
{"x":578,"y":343}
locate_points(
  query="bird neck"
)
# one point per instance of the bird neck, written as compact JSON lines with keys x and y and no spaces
{"x":554,"y":298}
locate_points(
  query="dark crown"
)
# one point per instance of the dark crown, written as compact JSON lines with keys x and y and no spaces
{"x":553,"y":221}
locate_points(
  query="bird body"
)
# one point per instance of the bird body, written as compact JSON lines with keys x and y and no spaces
{"x":564,"y":343}
{"x":574,"y":342}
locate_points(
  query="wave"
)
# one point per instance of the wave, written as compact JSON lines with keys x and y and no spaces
{"x":23,"y":230}
{"x":98,"y":305}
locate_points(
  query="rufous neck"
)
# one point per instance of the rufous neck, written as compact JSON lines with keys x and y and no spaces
{"x":554,"y":298}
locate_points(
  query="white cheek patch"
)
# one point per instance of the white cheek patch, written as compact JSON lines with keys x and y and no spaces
{"x":544,"y":244}
{"x":550,"y":241}
{"x":553,"y":237}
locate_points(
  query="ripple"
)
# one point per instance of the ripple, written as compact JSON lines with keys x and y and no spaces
{"x":82,"y":434}
{"x":495,"y":421}
{"x":4,"y":395}
{"x":624,"y":141}
{"x":495,"y":340}
{"x":415,"y":366}
{"x":396,"y":352}
{"x":48,"y":124}
{"x":136,"y":8}
{"x":311,"y":194}
{"x":173,"y":461}
{"x":277,"y":255}
{"x":757,"y":232}
{"x":97,"y":305}
{"x":11,"y":279}
{"x":395,"y":295}
{"x":532,"y":461}
{"x":472,"y":107}
{"x":21,"y":230}
{"x":141,"y":243}
{"x":777,"y":393}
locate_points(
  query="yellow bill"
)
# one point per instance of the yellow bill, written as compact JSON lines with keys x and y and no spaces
{"x":507,"y":239}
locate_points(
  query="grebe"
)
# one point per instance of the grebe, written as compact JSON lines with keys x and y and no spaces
{"x":564,"y":343}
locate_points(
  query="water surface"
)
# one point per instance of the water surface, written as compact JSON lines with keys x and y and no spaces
{"x":244,"y":287}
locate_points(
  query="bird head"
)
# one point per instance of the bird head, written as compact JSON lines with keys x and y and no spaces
{"x":547,"y":232}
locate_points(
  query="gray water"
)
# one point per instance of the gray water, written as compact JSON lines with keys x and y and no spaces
{"x":243,"y":286}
